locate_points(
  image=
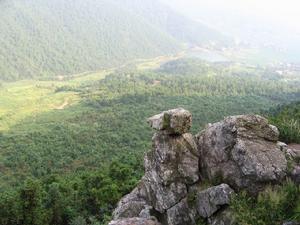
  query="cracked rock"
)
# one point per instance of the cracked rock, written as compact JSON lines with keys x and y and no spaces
{"x":180,"y":214}
{"x":242,"y":151}
{"x":212,"y":199}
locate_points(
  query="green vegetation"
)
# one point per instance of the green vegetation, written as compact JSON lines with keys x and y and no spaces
{"x":44,"y":39}
{"x":73,"y":163}
{"x":273,"y":206}
{"x":180,"y":27}
{"x":67,"y":200}
{"x":287,"y":119}
{"x":77,"y":82}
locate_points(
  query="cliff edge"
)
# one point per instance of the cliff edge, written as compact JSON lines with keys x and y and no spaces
{"x":238,"y":153}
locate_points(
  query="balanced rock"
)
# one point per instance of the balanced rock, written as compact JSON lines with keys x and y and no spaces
{"x":171,"y":165}
{"x":174,"y":121}
{"x":212,"y":199}
{"x":242,"y":151}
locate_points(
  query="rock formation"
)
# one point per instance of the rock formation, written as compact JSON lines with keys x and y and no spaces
{"x":242,"y":151}
{"x":212,"y":199}
{"x":238,"y":153}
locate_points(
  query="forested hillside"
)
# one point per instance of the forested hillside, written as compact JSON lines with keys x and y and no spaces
{"x":45,"y":38}
{"x":71,"y":165}
{"x":180,"y":27}
{"x":42,"y":39}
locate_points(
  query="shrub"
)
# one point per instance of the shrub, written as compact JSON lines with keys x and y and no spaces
{"x":271,"y":207}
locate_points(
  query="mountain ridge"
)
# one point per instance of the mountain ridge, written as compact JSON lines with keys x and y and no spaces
{"x":43,"y":39}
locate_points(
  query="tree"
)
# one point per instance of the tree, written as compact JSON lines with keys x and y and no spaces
{"x":31,"y":204}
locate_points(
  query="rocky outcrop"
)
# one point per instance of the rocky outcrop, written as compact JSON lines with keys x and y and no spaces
{"x":242,"y":151}
{"x":132,"y":204}
{"x":170,"y":167}
{"x":174,"y":121}
{"x":238,"y":153}
{"x":212,"y":199}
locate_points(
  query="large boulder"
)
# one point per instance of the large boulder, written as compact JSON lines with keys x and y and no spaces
{"x":163,"y":197}
{"x":134,"y":221}
{"x":242,"y":151}
{"x":180,"y":214}
{"x":171,"y":165}
{"x":174,"y":121}
{"x":173,"y":158}
{"x":132,"y":204}
{"x":212,"y":199}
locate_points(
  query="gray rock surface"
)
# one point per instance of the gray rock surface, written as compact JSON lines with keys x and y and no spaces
{"x":290,"y":153}
{"x":134,"y":221}
{"x":132,"y":204}
{"x":212,"y":199}
{"x":242,"y":151}
{"x":169,"y":167}
{"x":180,"y":214}
{"x":174,"y":121}
{"x":223,"y":217}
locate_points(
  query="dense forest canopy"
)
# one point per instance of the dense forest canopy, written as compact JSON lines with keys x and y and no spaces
{"x":99,"y":141}
{"x":50,"y":38}
{"x":78,"y":80}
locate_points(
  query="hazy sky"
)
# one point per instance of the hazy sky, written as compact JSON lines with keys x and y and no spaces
{"x":281,"y":11}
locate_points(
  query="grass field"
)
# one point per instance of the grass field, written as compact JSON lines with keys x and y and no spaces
{"x":30,"y":98}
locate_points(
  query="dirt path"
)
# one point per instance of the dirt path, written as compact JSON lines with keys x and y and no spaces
{"x":64,"y":105}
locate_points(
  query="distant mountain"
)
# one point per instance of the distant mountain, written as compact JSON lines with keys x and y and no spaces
{"x":41,"y":38}
{"x":175,"y":24}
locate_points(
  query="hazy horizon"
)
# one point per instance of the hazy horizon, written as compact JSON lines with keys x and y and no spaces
{"x":284,"y":12}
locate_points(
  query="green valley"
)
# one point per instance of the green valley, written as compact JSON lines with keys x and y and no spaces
{"x":80,"y":78}
{"x":61,"y":132}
